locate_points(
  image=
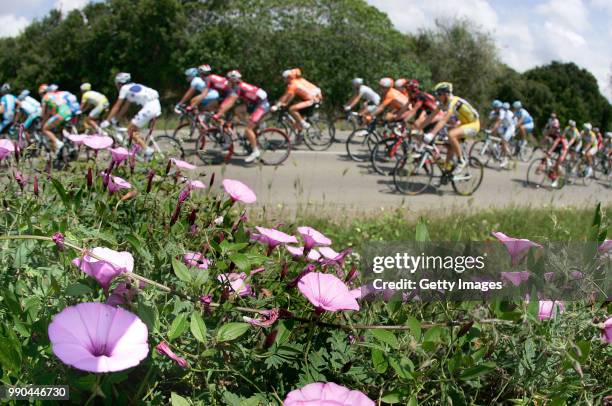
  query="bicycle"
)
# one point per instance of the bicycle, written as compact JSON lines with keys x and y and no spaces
{"x":489,"y":148}
{"x":315,"y":137}
{"x":541,"y":173}
{"x":218,"y":143}
{"x":576,"y":169}
{"x":361,"y":142}
{"x":394,"y":145}
{"x":415,"y":172}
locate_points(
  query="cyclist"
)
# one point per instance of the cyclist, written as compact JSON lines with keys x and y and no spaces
{"x":96,"y":101}
{"x":600,"y":139}
{"x":29,"y":108}
{"x":553,"y":127}
{"x":55,"y":113}
{"x":590,"y":142}
{"x":257,"y":103}
{"x":309,"y":94}
{"x":371,"y":99}
{"x":392,"y":101}
{"x":209,"y":102}
{"x":145,"y":97}
{"x":559,"y":145}
{"x":524,"y":121}
{"x":400,"y":84}
{"x":504,"y":126}
{"x":420,"y":105}
{"x":7,"y":107}
{"x":217,"y":87}
{"x":573,"y":138}
{"x":468,"y":126}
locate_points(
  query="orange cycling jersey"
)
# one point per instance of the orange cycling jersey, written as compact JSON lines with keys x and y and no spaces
{"x":394,"y":99}
{"x":304,"y":89}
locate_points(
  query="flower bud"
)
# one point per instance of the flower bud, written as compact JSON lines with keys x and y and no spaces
{"x":89,"y":178}
{"x":150,"y":179}
{"x":58,"y":239}
{"x":36,"y":185}
{"x":212,"y":180}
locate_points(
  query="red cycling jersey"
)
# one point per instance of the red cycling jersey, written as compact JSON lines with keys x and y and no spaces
{"x":428,"y":102}
{"x":250,"y":93}
{"x":217,"y":82}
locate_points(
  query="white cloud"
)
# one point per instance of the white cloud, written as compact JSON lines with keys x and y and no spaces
{"x":572,"y":13}
{"x":11,"y":25}
{"x":66,"y":6}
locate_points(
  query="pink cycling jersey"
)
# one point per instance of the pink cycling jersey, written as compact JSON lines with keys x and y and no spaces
{"x":250,"y":93}
{"x":217,"y":82}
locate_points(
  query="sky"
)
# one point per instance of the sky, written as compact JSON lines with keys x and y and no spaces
{"x":528,"y":33}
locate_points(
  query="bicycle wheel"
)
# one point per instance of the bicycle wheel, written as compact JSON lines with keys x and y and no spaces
{"x":360,"y":143}
{"x":481,"y":150}
{"x":210,"y":149}
{"x":316,"y":137}
{"x":274,"y":146}
{"x":165,"y":147}
{"x":385,"y":155}
{"x":184,"y":132}
{"x":469,"y":180}
{"x":413,"y":175}
{"x":539,"y":175}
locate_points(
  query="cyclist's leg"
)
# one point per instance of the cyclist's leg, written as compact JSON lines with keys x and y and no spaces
{"x":147,"y":113}
{"x":459,"y":133}
{"x":52,"y":123}
{"x":294,"y":110}
{"x":258,"y":113}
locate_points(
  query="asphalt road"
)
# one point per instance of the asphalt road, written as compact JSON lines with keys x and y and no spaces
{"x":329,"y":179}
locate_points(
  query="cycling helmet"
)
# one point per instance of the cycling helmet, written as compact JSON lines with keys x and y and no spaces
{"x":85,"y":87}
{"x":595,"y":129}
{"x":506,"y":106}
{"x":496,"y":104}
{"x":572,"y":123}
{"x":587,"y":126}
{"x":42,"y":89}
{"x":5,"y":88}
{"x":122,"y":78}
{"x":191,"y":73}
{"x":400,"y":83}
{"x":287,"y":74}
{"x":609,"y":135}
{"x":443,"y":87}
{"x":414,"y":85}
{"x":357,"y":82}
{"x":517,"y":105}
{"x":23,"y":94}
{"x":553,"y":115}
{"x":234,"y":75}
{"x":204,"y":69}
{"x":386,"y":83}
{"x":53,"y":87}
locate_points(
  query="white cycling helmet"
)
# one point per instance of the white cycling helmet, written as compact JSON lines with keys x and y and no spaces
{"x":204,"y":69}
{"x":53,"y":87}
{"x":609,"y":135}
{"x":517,"y":105}
{"x":5,"y":88}
{"x":587,"y":126}
{"x":123,"y":78}
{"x":85,"y":87}
{"x":234,"y":75}
{"x":357,"y":82}
{"x":191,"y":73}
{"x":400,"y":83}
{"x":506,"y":106}
{"x":496,"y":104}
{"x":571,"y":123}
{"x":287,"y":73}
{"x":386,"y":83}
{"x":23,"y":95}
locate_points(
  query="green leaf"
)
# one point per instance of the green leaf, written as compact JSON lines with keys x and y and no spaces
{"x":379,"y":361}
{"x":181,"y":271}
{"x":392,"y":397}
{"x":10,"y":354}
{"x":59,"y":188}
{"x":241,"y":261}
{"x":148,"y":316}
{"x":403,"y":367}
{"x":421,"y":233}
{"x":415,"y":327}
{"x":198,"y":328}
{"x":413,"y":401}
{"x":22,"y":254}
{"x":78,"y":289}
{"x":386,"y":336}
{"x":477,"y":371}
{"x":178,"y":400}
{"x":231,"y":331}
{"x":434,"y":334}
{"x":179,"y":326}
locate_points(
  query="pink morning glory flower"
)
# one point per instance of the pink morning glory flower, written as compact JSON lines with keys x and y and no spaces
{"x":183,"y":164}
{"x":238,"y":191}
{"x":236,"y":282}
{"x":77,"y":139}
{"x":313,"y":238}
{"x":548,"y":309}
{"x":119,"y":154}
{"x":605,"y":246}
{"x":517,"y":247}
{"x":123,"y":294}
{"x":326,"y":394}
{"x":313,"y":255}
{"x":98,"y":142}
{"x":115,"y":183}
{"x":6,"y":148}
{"x":164,"y":349}
{"x":516,"y":278}
{"x":273,"y":237}
{"x":606,"y":333}
{"x":264,"y":319}
{"x":195,"y":184}
{"x":98,"y":338}
{"x":327,"y":292}
{"x":104,"y":271}
{"x":196,"y":259}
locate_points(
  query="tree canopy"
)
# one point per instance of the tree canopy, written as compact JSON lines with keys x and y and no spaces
{"x":332,"y":41}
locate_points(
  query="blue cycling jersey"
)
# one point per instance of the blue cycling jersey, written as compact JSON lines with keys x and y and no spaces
{"x":524,"y":114}
{"x":72,"y":101}
{"x":198,"y":84}
{"x":8,"y":103}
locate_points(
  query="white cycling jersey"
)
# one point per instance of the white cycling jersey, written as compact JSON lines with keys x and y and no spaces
{"x":139,"y":94}
{"x":30,"y":106}
{"x":198,"y":84}
{"x":369,"y":95}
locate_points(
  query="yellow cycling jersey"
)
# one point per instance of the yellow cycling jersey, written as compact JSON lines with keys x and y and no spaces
{"x":589,"y":137}
{"x":462,"y":109}
{"x":94,"y":98}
